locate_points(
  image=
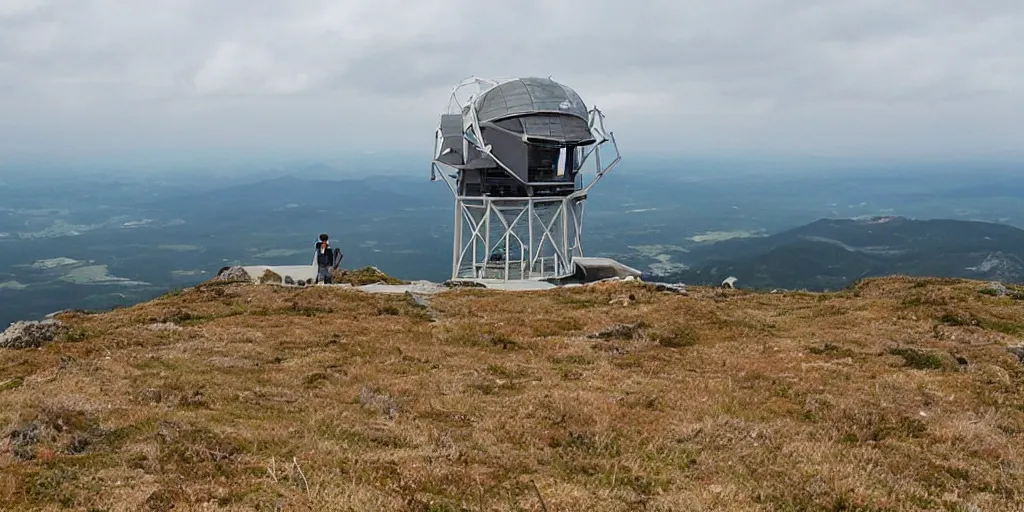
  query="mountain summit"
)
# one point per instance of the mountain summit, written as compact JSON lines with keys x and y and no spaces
{"x":894,"y":394}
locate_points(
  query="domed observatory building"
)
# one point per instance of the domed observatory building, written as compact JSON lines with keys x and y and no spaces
{"x":520,"y":156}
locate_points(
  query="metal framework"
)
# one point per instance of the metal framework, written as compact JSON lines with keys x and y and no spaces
{"x":533,"y":237}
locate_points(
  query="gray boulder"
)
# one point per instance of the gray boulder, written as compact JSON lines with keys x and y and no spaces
{"x":1018,"y":351}
{"x":996,"y":288}
{"x":233,"y":274}
{"x":462,"y":283}
{"x":30,"y":334}
{"x":679,"y":288}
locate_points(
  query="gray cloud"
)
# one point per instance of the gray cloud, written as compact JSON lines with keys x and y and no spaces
{"x":916,"y":77}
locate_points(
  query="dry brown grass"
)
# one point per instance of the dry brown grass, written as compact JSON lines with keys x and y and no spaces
{"x":363,"y":276}
{"x":898,"y":394}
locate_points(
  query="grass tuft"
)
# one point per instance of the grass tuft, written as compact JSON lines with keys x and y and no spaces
{"x":919,"y":360}
{"x":675,"y":336}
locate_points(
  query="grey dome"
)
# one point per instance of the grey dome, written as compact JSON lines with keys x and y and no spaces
{"x":525,"y":96}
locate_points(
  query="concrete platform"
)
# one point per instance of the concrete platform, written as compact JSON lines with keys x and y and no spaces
{"x":528,"y":285}
{"x":587,"y":269}
{"x":415,"y":287}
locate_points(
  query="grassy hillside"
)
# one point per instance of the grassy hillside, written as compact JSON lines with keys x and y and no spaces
{"x":897,"y":394}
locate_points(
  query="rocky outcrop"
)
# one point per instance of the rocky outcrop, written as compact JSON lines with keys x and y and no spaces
{"x":30,"y":334}
{"x":995,"y":288}
{"x":269,"y":276}
{"x":232,"y":274}
{"x":678,"y":288}
{"x":462,"y":283}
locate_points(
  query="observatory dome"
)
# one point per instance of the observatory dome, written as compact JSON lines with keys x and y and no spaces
{"x":536,"y":107}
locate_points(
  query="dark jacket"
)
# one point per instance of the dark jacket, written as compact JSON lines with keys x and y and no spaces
{"x":325,"y":258}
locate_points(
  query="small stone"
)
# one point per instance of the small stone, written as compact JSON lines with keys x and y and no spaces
{"x":618,"y":332}
{"x":153,"y":395}
{"x":1017,"y":350}
{"x":165,"y":326}
{"x":679,"y":288}
{"x":730,"y":282}
{"x":288,"y":280}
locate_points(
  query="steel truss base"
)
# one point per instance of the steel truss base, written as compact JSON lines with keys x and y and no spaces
{"x":516,"y":238}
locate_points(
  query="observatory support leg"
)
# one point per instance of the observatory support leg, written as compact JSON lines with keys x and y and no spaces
{"x":487,"y":236}
{"x":565,"y":236}
{"x":507,"y":255}
{"x":577,"y":225}
{"x":531,"y":257}
{"x":457,"y":242}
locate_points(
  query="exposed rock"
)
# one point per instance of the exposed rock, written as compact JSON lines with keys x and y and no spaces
{"x":165,"y":326}
{"x":383,"y":402}
{"x":269,"y":276}
{"x":301,"y":282}
{"x":24,"y":438}
{"x":623,"y":300}
{"x":153,"y":395}
{"x":30,"y":334}
{"x":679,"y":288}
{"x":423,"y":303}
{"x":462,"y":283}
{"x":995,"y":288}
{"x":730,"y":282}
{"x":418,"y":300}
{"x":363,"y":276}
{"x":288,"y":280}
{"x":618,"y":332}
{"x":232,"y":274}
{"x":1017,"y":350}
{"x":67,"y":431}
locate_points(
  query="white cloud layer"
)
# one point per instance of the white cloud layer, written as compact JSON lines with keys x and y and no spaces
{"x":857,"y":77}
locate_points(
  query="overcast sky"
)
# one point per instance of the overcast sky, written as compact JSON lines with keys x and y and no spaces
{"x":801,"y":77}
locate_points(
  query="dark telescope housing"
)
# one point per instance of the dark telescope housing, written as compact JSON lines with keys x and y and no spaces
{"x":537,"y":130}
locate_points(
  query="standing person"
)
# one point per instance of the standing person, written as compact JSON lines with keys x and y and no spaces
{"x":324,"y":259}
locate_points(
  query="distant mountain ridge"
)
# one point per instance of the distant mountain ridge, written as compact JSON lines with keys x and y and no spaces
{"x":829,"y":254}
